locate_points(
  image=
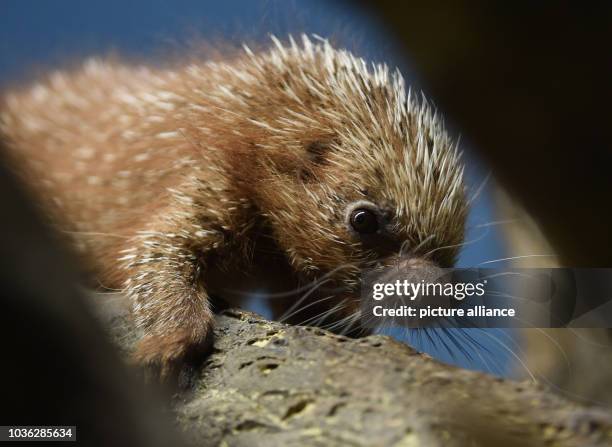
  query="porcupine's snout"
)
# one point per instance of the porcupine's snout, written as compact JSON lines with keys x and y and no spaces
{"x":418,"y":283}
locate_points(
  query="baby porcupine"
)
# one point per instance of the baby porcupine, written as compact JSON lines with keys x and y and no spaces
{"x":303,"y":162}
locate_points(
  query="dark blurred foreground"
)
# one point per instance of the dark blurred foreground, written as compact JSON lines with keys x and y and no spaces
{"x":58,"y":368}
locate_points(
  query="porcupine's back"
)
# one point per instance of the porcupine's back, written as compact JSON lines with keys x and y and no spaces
{"x":99,"y":146}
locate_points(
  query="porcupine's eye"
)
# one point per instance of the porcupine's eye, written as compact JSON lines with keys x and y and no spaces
{"x":364,"y":221}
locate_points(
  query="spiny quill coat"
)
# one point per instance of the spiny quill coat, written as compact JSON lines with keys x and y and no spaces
{"x":303,"y":161}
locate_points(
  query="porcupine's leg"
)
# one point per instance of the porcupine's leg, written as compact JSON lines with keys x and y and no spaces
{"x":164,"y":264}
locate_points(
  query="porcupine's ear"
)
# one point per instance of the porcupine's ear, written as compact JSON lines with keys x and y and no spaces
{"x":314,"y":158}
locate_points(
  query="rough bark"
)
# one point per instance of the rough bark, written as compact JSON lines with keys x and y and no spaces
{"x":268,"y":384}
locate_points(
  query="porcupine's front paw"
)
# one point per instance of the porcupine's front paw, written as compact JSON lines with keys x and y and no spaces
{"x":164,"y":356}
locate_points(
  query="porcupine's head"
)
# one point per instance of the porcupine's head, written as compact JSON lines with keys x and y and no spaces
{"x":352,"y":170}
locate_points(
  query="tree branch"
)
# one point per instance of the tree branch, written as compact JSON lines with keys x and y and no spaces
{"x":267,"y":383}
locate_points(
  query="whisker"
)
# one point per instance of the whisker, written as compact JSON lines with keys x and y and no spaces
{"x":401,"y":249}
{"x":479,"y":189}
{"x":557,"y":345}
{"x":462,"y":244}
{"x":571,"y":395}
{"x":313,"y":318}
{"x":516,"y":257}
{"x":418,"y":246}
{"x":341,"y":322}
{"x":288,"y":293}
{"x":284,"y":317}
{"x":310,"y":291}
{"x":513,"y":353}
{"x":338,"y":307}
{"x":586,"y":340}
{"x":497,"y":369}
{"x":493,"y":223}
{"x":354,"y":318}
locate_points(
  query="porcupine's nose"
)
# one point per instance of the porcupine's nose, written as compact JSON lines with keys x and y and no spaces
{"x":412,"y":269}
{"x":431,"y":277}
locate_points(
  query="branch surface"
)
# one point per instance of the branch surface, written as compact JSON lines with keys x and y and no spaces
{"x":270,"y":384}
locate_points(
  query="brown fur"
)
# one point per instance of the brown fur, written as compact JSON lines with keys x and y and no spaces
{"x":175,"y":182}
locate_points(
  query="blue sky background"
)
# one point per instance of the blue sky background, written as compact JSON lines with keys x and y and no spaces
{"x":38,"y":35}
